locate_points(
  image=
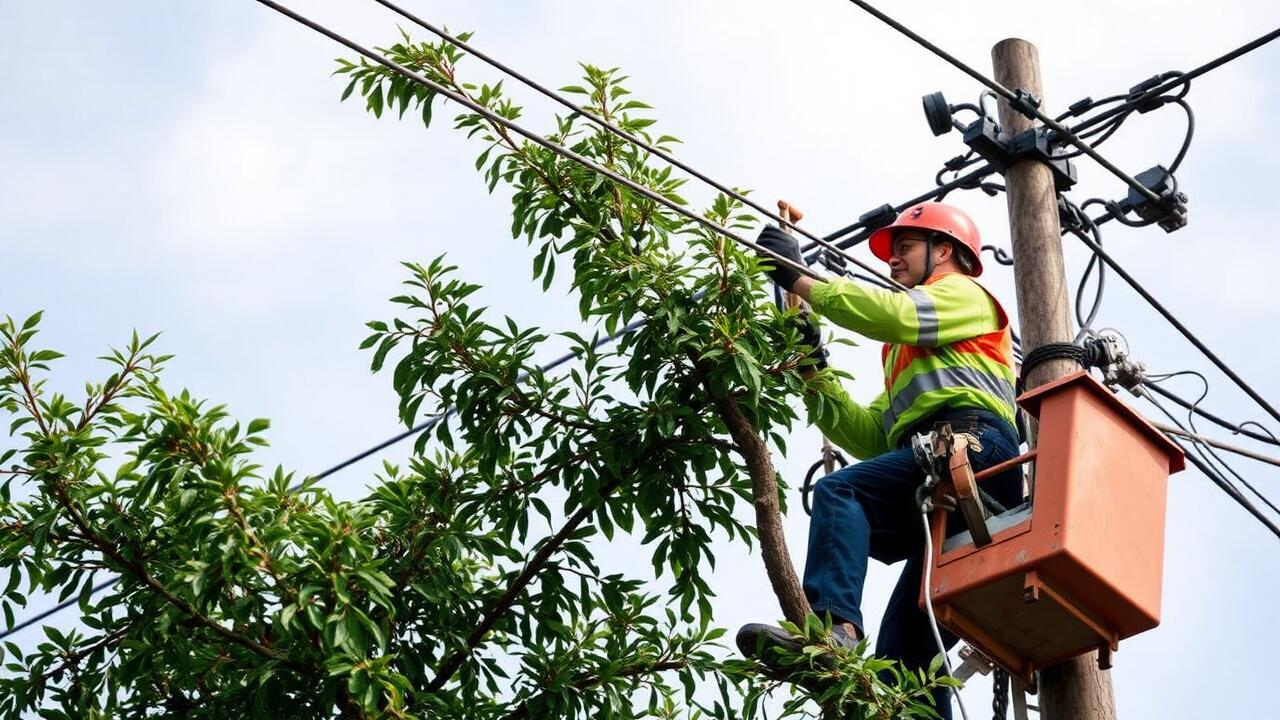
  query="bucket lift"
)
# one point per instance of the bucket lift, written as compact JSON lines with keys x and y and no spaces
{"x":1079,"y":566}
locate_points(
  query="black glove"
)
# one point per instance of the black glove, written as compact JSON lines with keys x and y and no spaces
{"x":810,"y":335}
{"x":771,"y":238}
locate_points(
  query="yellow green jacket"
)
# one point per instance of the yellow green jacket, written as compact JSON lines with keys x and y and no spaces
{"x":947,"y":346}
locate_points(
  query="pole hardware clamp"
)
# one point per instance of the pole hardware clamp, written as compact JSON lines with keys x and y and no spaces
{"x":983,"y":136}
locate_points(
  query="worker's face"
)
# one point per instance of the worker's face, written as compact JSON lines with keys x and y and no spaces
{"x":909,"y":260}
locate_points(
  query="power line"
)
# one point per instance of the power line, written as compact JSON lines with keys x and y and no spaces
{"x":1211,"y":417}
{"x":538,"y":139}
{"x":1212,"y":473}
{"x":1172,"y":320}
{"x":1243,"y":452}
{"x":1180,"y":79}
{"x":631,"y":138}
{"x":1020,"y":101}
{"x":24,"y":624}
{"x":838,"y":237}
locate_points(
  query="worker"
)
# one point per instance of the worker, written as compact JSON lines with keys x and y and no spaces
{"x":947,"y":357}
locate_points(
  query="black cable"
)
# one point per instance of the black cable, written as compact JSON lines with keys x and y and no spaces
{"x":1106,"y":131}
{"x":811,"y":479}
{"x":839,"y":236}
{"x":546,"y":144}
{"x":1181,"y":79}
{"x":618,"y":132}
{"x":1186,"y":143}
{"x":1020,"y":101}
{"x":1186,"y":333}
{"x":1053,"y":351}
{"x":1075,"y":219}
{"x":1212,"y":473}
{"x":1269,"y":438}
{"x":28,"y":622}
{"x":999,"y":255}
{"x":1077,"y":109}
{"x":1210,"y":453}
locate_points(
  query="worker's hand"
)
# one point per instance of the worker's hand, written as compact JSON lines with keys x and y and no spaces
{"x":771,"y":238}
{"x":810,"y":335}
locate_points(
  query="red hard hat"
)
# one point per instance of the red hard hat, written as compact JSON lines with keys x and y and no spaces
{"x":946,"y":219}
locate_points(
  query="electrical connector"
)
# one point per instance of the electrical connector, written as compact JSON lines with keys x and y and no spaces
{"x":1170,"y":212}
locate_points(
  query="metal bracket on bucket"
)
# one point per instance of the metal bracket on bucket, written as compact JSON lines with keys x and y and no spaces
{"x":944,"y":457}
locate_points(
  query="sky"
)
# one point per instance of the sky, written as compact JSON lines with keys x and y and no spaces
{"x":186,"y":167}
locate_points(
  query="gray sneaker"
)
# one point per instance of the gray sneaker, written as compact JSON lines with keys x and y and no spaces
{"x":762,"y":642}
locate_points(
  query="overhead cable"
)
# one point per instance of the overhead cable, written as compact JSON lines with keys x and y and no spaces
{"x":1268,"y":438}
{"x":1212,"y":473}
{"x":1243,"y":452}
{"x":631,"y":138}
{"x":539,"y":140}
{"x":1177,"y":324}
{"x":839,"y":236}
{"x":1020,"y":101}
{"x":1180,"y":79}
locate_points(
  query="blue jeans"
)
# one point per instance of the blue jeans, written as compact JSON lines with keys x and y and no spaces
{"x":868,"y":510}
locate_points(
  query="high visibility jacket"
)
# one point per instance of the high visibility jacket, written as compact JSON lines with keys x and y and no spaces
{"x":947,"y":346}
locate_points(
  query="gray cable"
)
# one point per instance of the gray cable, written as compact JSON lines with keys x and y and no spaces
{"x":928,"y":603}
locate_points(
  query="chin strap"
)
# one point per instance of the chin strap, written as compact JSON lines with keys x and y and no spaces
{"x":928,"y":262}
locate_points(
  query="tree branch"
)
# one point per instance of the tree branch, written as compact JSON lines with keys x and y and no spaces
{"x":589,"y":681}
{"x":140,"y":573}
{"x":764,"y":491}
{"x":495,"y":611}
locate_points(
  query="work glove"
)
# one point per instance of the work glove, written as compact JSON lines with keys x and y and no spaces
{"x":810,"y":335}
{"x":772,"y":238}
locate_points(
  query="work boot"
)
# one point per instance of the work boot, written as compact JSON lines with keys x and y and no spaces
{"x":766,"y":642}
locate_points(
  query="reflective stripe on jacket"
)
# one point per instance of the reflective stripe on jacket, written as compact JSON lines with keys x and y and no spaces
{"x":947,"y":346}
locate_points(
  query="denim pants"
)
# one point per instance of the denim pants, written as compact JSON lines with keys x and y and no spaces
{"x":868,"y":510}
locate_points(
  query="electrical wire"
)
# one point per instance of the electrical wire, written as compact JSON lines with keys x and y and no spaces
{"x":623,"y":134}
{"x":543,"y":142}
{"x":1238,"y":429}
{"x":839,"y":236}
{"x":1209,"y":471}
{"x":1235,"y":449}
{"x":1186,"y":143}
{"x":1179,"y":78}
{"x":28,"y":622}
{"x":1159,"y":378}
{"x":1177,"y":324}
{"x":1019,"y":101}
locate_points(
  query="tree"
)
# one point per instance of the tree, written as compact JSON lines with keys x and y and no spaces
{"x":467,"y":583}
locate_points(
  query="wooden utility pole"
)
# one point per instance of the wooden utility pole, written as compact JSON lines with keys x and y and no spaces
{"x":1075,"y":689}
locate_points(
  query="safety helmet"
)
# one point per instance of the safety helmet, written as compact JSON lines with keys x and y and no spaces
{"x":938,"y":217}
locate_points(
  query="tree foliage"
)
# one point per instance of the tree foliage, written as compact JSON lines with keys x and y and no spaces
{"x":469,"y":583}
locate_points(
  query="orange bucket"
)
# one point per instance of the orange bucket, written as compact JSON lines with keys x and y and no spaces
{"x":1080,"y":567}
